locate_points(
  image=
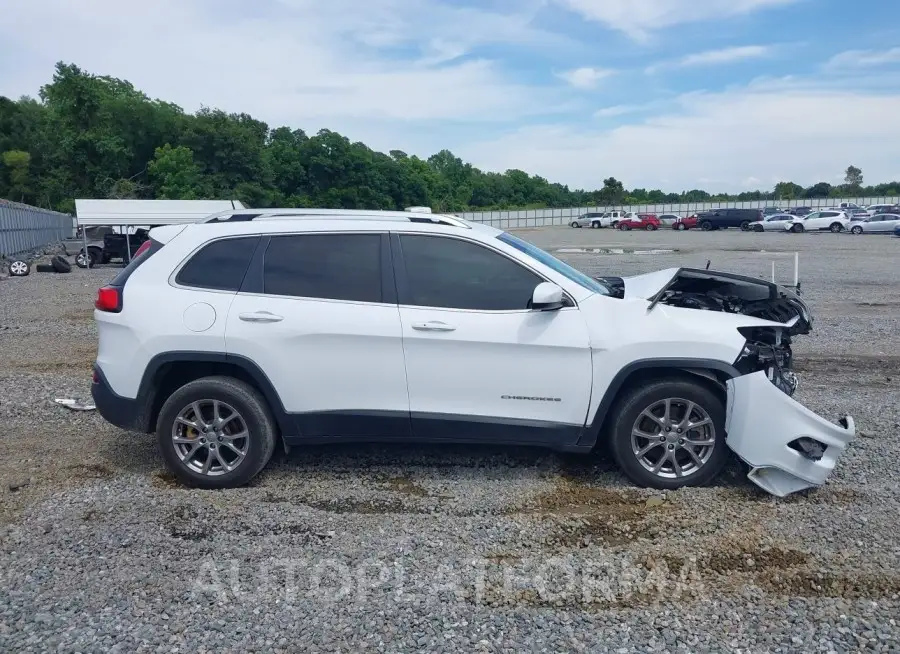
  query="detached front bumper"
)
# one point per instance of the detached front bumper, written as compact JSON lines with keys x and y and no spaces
{"x":764,"y":426}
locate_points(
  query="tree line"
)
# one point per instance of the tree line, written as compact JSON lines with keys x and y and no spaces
{"x":97,"y":136}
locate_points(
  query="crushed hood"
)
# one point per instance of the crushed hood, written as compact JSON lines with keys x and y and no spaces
{"x":711,"y":290}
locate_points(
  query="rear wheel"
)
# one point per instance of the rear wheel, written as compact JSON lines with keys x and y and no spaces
{"x":625,"y":227}
{"x":596,"y":224}
{"x":651,"y":227}
{"x":216,"y":432}
{"x":856,"y":229}
{"x":797,"y":228}
{"x":669,"y":433}
{"x":836,"y":227}
{"x":680,"y":226}
{"x":574,"y":224}
{"x":92,"y":257}
{"x":757,"y":228}
{"x":706,"y":226}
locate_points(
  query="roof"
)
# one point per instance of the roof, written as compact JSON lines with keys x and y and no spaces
{"x":147,"y":213}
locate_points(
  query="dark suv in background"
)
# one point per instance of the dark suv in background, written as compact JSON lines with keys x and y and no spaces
{"x":724,"y":218}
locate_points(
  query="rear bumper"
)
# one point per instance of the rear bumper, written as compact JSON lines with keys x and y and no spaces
{"x":120,"y":411}
{"x":762,"y":421}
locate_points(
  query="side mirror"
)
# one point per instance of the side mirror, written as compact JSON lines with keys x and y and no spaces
{"x":547,"y":297}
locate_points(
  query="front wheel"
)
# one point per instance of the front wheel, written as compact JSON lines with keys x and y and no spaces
{"x":83,"y":261}
{"x":836,"y":227}
{"x":651,"y":228}
{"x":625,"y":227}
{"x":216,"y":432}
{"x":757,"y":228}
{"x":745,"y":226}
{"x":573,"y":224}
{"x":596,"y":225}
{"x":706,"y":226}
{"x":680,"y":227}
{"x":797,"y":228}
{"x":669,"y":434}
{"x":856,"y":229}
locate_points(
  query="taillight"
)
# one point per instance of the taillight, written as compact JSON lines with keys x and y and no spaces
{"x":109,"y":298}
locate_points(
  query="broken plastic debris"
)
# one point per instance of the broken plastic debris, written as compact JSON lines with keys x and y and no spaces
{"x":74,"y":404}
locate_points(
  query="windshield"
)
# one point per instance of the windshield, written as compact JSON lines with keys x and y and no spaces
{"x":552,"y":262}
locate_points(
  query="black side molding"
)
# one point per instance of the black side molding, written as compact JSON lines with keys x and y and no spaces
{"x":591,"y":432}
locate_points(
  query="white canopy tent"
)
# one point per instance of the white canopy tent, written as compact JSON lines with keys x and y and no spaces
{"x":147,"y":213}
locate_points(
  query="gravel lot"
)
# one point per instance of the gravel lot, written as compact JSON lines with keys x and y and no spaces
{"x":401,"y":549}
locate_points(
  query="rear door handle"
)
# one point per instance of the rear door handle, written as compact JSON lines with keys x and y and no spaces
{"x":433,"y":326}
{"x":260,"y":316}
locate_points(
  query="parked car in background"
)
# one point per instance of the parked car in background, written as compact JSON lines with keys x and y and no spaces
{"x":771,"y":211}
{"x":725,"y":218}
{"x":853,"y":214}
{"x":884,"y":223}
{"x":780,"y":222}
{"x":800,"y":211}
{"x":689,"y":222}
{"x":829,"y":219}
{"x":668,"y":219}
{"x":589,"y":220}
{"x":848,"y":206}
{"x":646,"y":221}
{"x":883,"y":208}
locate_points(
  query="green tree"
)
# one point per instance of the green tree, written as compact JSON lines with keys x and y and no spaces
{"x":613,"y":192}
{"x":173,"y":173}
{"x":787,"y":191}
{"x":820,"y":190}
{"x":853,"y":177}
{"x":17,"y":163}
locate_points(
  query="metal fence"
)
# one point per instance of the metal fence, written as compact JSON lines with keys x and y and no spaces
{"x":547,"y":217}
{"x":24,"y":228}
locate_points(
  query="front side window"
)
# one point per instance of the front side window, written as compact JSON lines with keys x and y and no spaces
{"x":328,"y":266}
{"x":455,"y":274}
{"x":219,"y":265}
{"x":553,"y":263}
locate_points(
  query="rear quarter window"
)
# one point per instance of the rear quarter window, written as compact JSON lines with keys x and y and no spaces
{"x":219,"y":265}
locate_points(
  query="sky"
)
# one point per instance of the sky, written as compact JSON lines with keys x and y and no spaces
{"x":722,"y":95}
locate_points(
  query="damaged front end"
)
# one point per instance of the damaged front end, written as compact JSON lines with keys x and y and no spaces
{"x":787,"y":446}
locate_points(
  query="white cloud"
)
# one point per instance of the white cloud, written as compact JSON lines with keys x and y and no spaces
{"x":638,"y":18}
{"x":730,"y":137}
{"x":715,"y":57}
{"x":585,"y":77}
{"x":863,"y":58}
{"x":300,"y":62}
{"x":616,"y":110}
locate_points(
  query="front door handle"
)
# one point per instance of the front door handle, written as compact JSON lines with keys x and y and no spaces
{"x":433,"y":326}
{"x":260,"y":316}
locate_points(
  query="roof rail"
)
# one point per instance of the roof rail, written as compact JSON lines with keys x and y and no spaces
{"x":350,"y":214}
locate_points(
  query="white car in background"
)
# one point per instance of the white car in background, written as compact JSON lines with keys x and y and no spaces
{"x":873,"y":209}
{"x":833,"y":220}
{"x":779,"y":222}
{"x":668,"y":219}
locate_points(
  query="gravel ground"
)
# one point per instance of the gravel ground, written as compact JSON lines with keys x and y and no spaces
{"x":401,"y":549}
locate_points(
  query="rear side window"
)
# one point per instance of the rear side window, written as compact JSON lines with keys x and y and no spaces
{"x":329,"y":266}
{"x":220,"y":265}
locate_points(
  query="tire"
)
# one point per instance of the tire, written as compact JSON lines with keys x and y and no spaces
{"x":628,"y":415}
{"x":856,"y":229}
{"x":596,"y":225}
{"x":651,"y":228}
{"x":745,"y":226}
{"x":45,"y":268}
{"x":836,"y":228}
{"x":625,"y":227}
{"x":92,"y":255}
{"x":60,"y":265}
{"x":758,"y":228}
{"x":797,"y":229}
{"x":706,"y":226}
{"x":614,"y":224}
{"x":680,"y":227}
{"x":573,"y":224}
{"x":19,"y":268}
{"x":237,"y":396}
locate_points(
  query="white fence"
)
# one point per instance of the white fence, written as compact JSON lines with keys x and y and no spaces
{"x":547,"y":217}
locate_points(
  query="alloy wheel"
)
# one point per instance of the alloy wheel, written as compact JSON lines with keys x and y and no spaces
{"x":673,"y":438}
{"x":210,"y":437}
{"x":18,"y":268}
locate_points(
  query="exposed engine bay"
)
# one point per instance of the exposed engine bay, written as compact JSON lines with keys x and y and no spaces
{"x":768,"y":348}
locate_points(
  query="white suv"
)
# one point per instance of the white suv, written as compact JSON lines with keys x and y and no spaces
{"x":310,"y":326}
